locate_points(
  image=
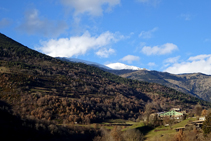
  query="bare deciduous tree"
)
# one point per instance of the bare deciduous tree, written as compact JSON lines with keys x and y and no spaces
{"x":148,"y":110}
{"x":198,"y":109}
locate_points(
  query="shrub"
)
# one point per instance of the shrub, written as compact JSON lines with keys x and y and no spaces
{"x":133,"y":135}
{"x":207,"y":125}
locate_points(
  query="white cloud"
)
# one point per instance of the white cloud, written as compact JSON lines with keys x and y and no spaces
{"x":92,"y":7}
{"x":147,"y":34}
{"x":150,"y":2}
{"x":172,"y":59}
{"x":4,"y":22}
{"x":104,"y":52}
{"x":130,"y":58}
{"x":78,"y":45}
{"x":151,"y":64}
{"x":159,"y":50}
{"x":120,"y":66}
{"x":199,"y":57}
{"x":33,"y":24}
{"x":195,"y":64}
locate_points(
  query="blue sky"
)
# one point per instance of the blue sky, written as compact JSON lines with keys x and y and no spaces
{"x":162,"y":35}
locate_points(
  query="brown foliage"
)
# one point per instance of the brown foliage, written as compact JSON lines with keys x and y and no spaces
{"x":117,"y":135}
{"x":204,"y":112}
{"x":198,"y":109}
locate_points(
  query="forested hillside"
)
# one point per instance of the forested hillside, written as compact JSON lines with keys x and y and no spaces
{"x":196,"y":84}
{"x":40,"y":87}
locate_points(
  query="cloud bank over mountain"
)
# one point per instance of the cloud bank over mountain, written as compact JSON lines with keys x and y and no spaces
{"x":120,"y":66}
{"x":195,"y":64}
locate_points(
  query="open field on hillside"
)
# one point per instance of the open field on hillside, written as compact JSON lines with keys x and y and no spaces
{"x":161,"y":132}
{"x":110,"y":124}
{"x":156,"y":134}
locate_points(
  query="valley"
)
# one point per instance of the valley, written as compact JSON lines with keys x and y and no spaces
{"x":45,"y":96}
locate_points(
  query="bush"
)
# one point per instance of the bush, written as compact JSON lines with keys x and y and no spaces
{"x":207,"y":125}
{"x":133,"y":135}
{"x":117,"y":135}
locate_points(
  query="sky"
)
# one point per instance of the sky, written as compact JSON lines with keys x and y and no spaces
{"x":165,"y":35}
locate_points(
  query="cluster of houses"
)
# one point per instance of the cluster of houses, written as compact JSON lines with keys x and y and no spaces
{"x":176,"y":113}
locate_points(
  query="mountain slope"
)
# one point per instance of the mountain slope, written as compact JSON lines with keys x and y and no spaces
{"x":102,"y":67}
{"x":41,"y":87}
{"x":196,"y":84}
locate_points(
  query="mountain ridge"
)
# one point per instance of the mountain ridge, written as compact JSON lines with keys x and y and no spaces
{"x":111,"y":66}
{"x":175,"y":81}
{"x":85,"y":62}
{"x":192,"y":83}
